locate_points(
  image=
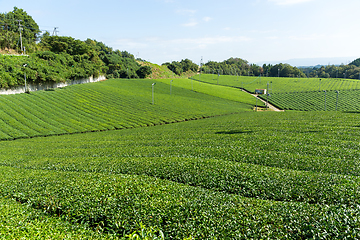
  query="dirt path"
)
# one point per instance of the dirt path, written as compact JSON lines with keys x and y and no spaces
{"x":271,"y":107}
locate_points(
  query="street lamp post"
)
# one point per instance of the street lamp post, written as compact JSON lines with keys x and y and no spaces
{"x":325,"y":100}
{"x":256,"y":103}
{"x":25,"y":78}
{"x":267,"y":96}
{"x":319,"y":84}
{"x":153,"y":100}
{"x":170,"y":85}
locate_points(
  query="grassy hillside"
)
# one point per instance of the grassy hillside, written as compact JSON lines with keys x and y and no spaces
{"x":113,"y":104}
{"x":212,"y":90}
{"x":161,"y":72}
{"x":250,"y":175}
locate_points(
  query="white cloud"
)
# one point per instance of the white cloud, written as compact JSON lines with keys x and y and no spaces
{"x":191,"y":23}
{"x":289,"y":2}
{"x":207,"y":19}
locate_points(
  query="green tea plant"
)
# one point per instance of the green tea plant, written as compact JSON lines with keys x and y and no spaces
{"x":246,"y":175}
{"x":345,"y":100}
{"x":304,"y":94}
{"x":280,"y":85}
{"x":113,"y":104}
{"x":19,"y":221}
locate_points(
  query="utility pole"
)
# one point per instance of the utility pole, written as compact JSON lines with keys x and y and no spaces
{"x":20,"y":28}
{"x":25,"y":78}
{"x":55,"y":31}
{"x":170,"y":85}
{"x":200,"y":67}
{"x":267,"y":96}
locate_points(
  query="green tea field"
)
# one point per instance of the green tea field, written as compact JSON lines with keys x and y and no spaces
{"x":280,"y":85}
{"x":113,"y":104}
{"x":231,"y":174}
{"x":247,"y":175}
{"x":303,"y":94}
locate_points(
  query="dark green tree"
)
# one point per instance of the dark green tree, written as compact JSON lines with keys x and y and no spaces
{"x":144,"y":71}
{"x":356,"y":62}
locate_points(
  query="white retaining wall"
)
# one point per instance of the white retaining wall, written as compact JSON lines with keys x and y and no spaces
{"x":44,"y":86}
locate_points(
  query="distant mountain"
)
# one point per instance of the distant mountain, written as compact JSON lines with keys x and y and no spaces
{"x":307,"y":62}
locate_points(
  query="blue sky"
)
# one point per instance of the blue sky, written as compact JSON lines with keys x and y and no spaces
{"x":166,"y":30}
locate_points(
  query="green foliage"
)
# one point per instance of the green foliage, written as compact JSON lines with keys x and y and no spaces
{"x":86,"y":58}
{"x":190,"y":179}
{"x":146,"y":234}
{"x":281,"y":85}
{"x":106,"y":105}
{"x":345,"y":100}
{"x":240,"y":67}
{"x":60,"y":44}
{"x":351,"y":71}
{"x":212,"y":90}
{"x":298,"y":93}
{"x":9,"y":30}
{"x":144,"y":71}
{"x":19,"y":221}
{"x":182,"y":67}
{"x":356,"y":62}
{"x":45,"y":67}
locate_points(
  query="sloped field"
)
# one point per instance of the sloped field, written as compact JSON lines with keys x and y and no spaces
{"x":113,"y":104}
{"x":247,"y":175}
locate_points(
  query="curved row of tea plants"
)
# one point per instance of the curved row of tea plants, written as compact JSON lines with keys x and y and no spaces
{"x":116,"y":204}
{"x":262,"y":163}
{"x":190,"y":179}
{"x":113,"y":104}
{"x":281,"y":85}
{"x":345,"y":100}
{"x":19,"y":221}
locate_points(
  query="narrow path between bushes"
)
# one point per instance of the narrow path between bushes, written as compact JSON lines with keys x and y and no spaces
{"x":271,"y":107}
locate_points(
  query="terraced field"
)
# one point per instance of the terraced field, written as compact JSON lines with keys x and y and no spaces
{"x":237,"y":175}
{"x":345,"y":100}
{"x":281,"y":85}
{"x":247,"y":175}
{"x":113,"y":104}
{"x":299,"y":93}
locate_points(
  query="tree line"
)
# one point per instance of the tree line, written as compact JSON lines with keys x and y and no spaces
{"x":181,"y":67}
{"x":241,"y":67}
{"x":350,"y":71}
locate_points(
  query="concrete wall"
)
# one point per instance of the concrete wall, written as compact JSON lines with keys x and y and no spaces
{"x":45,"y":86}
